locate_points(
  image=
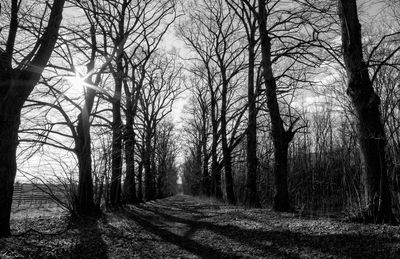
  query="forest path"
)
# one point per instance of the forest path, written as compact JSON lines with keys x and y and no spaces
{"x":188,"y":227}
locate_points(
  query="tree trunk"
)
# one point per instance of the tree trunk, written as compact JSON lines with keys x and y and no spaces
{"x":129,"y":194}
{"x":85,"y":204}
{"x":15,"y":87}
{"x":149,"y":192}
{"x":161,"y":179}
{"x":153,"y":167}
{"x":198,"y":162}
{"x":116,"y":162}
{"x":230,"y":194}
{"x":216,"y":173}
{"x":251,"y":196}
{"x":206,"y":177}
{"x":9,"y":123}
{"x":281,"y":199}
{"x":371,"y":134}
{"x":140,"y":182}
{"x":279,"y":138}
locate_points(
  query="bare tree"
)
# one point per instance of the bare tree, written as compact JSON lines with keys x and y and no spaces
{"x":282,"y":42}
{"x":205,"y":69}
{"x":250,"y":24}
{"x":161,"y":88}
{"x":371,"y":131}
{"x":147,"y":39}
{"x":220,"y":50}
{"x":16,"y":85}
{"x":166,"y":151}
{"x":197,"y":126}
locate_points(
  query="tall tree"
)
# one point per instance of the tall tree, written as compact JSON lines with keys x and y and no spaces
{"x":279,"y":138}
{"x":371,"y":131}
{"x":129,"y":192}
{"x":287,"y":41}
{"x":250,"y":24}
{"x":16,"y":85}
{"x":85,"y":203}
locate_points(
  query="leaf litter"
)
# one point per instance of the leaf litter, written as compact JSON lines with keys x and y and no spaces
{"x":190,"y":227}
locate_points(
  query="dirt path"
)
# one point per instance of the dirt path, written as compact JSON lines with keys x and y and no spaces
{"x":187,"y":227}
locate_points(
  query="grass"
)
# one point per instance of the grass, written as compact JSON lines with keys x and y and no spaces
{"x":33,"y":210}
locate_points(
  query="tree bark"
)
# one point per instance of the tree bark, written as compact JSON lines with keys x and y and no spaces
{"x":149,"y":192}
{"x":129,"y":193}
{"x":9,"y":123}
{"x":153,"y":167}
{"x":119,"y":74}
{"x":281,"y":198}
{"x":85,"y":203}
{"x":140,"y":182}
{"x":206,"y":177}
{"x":116,"y":163}
{"x":226,"y":152}
{"x":161,"y":179}
{"x":279,"y":136}
{"x":251,"y":196}
{"x":371,"y":133}
{"x":216,"y":173}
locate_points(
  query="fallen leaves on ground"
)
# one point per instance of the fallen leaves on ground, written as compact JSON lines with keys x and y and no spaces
{"x":188,"y":227}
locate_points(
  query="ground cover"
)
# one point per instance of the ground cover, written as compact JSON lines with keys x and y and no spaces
{"x":187,"y":227}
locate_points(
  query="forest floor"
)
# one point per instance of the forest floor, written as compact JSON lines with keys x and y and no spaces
{"x":187,"y":227}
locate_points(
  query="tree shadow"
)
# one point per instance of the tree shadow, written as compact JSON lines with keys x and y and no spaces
{"x":184,"y":206}
{"x":91,"y":243}
{"x":152,"y":225}
{"x":285,"y":242}
{"x":157,"y":224}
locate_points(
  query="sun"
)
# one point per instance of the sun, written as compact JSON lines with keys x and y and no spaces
{"x":77,"y":79}
{"x":78,"y":82}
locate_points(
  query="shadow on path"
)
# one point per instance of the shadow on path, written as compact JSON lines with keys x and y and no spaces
{"x":91,"y":243}
{"x":180,"y":241}
{"x":280,"y":242}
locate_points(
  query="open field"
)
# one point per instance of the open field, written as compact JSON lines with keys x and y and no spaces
{"x":29,"y":201}
{"x":27,"y":194}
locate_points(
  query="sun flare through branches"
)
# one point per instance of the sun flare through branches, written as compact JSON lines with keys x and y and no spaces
{"x":77,"y":80}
